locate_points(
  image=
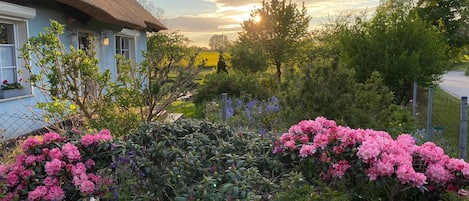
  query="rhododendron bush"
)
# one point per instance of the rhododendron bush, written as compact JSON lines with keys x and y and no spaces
{"x":395,"y":165}
{"x":57,"y":167}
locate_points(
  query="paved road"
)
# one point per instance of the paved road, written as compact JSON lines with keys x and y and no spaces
{"x":455,"y":83}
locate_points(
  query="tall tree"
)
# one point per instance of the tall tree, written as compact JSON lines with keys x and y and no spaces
{"x":277,"y":28}
{"x":219,"y":42}
{"x":451,"y":17}
{"x":398,"y":44}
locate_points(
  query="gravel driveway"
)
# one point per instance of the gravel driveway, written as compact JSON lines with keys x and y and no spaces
{"x":455,"y":83}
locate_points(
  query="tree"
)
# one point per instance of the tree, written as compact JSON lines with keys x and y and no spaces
{"x":247,"y":59}
{"x":138,"y":94}
{"x":219,"y":42}
{"x":277,"y":28}
{"x":452,"y":19}
{"x":398,"y":44}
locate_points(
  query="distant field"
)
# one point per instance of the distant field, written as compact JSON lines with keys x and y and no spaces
{"x":212,"y":58}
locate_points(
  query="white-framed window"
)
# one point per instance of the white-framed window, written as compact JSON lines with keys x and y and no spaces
{"x":12,"y":37}
{"x":125,"y":45}
{"x":8,"y":57}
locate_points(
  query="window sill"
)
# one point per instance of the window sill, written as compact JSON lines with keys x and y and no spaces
{"x":16,"y":98}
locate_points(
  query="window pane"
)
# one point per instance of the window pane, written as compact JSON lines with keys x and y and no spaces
{"x":6,"y":34}
{"x":125,"y":43}
{"x":7,"y":57}
{"x":9,"y":74}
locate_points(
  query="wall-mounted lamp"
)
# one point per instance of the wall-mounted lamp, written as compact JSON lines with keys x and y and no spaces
{"x":72,"y":34}
{"x":105,"y":39}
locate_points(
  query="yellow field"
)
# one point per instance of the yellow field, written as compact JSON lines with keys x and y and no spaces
{"x":212,"y":58}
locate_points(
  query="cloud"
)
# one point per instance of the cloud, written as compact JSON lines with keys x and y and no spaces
{"x":202,"y":24}
{"x":226,"y":16}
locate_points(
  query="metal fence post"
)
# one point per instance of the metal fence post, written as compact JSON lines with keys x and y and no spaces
{"x":224,"y":107}
{"x":414,"y":100}
{"x":463,"y":129}
{"x":429,"y":114}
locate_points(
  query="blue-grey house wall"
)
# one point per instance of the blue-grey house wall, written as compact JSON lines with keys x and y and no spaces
{"x":19,"y":115}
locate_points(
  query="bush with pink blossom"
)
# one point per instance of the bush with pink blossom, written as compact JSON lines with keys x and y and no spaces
{"x":58,"y":167}
{"x":364,"y":159}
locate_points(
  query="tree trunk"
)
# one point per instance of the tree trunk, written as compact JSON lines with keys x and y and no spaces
{"x":279,"y":71}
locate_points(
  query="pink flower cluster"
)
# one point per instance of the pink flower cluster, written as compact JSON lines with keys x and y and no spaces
{"x":426,"y":165}
{"x":104,"y":135}
{"x":48,"y":163}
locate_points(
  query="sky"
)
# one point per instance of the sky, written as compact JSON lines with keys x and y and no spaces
{"x":201,"y":19}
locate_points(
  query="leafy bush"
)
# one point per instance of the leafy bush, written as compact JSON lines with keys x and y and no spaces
{"x":235,"y":84}
{"x":55,"y":167}
{"x":197,"y":160}
{"x":370,"y":164}
{"x":333,"y":92}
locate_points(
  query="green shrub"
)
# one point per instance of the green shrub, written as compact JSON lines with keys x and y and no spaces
{"x":198,"y":160}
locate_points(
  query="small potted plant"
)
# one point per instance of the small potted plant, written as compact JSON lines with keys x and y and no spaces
{"x":8,"y":90}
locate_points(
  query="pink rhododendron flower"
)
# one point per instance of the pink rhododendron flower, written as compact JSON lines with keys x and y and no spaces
{"x":26,"y":174}
{"x":105,"y":135}
{"x":310,"y":126}
{"x":368,"y":150}
{"x":51,"y":181}
{"x":87,"y":140}
{"x":463,"y":192}
{"x":37,"y":193}
{"x":304,"y":139}
{"x":51,"y":137}
{"x":338,"y":170}
{"x":87,"y":187}
{"x":321,"y":141}
{"x":406,"y":174}
{"x":290,"y":144}
{"x":438,"y":173}
{"x":455,"y":164}
{"x":55,"y":193}
{"x":287,"y":137}
{"x":307,"y":150}
{"x":56,"y":153}
{"x":30,"y":159}
{"x":78,"y":169}
{"x":295,"y":129}
{"x":95,"y":178}
{"x":30,"y":142}
{"x":324,"y":158}
{"x":20,"y":160}
{"x":4,"y":169}
{"x":12,"y":179}
{"x":430,"y":152}
{"x":53,"y":167}
{"x":89,"y":163}
{"x":384,"y":168}
{"x":71,"y":151}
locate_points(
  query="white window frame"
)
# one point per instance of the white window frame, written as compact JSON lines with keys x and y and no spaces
{"x":18,"y":16}
{"x":132,"y":50}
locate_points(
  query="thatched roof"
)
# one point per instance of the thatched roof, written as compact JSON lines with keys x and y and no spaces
{"x":125,"y":13}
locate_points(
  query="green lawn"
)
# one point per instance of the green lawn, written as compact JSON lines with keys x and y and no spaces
{"x":185,"y":107}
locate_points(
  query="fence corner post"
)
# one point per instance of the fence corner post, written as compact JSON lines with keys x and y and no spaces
{"x":463,"y":129}
{"x":224,"y":107}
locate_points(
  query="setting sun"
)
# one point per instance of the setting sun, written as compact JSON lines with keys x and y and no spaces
{"x":257,"y":18}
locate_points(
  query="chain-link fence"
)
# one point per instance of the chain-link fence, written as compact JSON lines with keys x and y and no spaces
{"x":443,"y":121}
{"x":16,"y":124}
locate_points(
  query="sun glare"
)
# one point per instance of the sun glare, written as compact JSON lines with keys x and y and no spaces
{"x":257,"y":18}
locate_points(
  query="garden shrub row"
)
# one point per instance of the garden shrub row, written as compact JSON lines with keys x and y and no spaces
{"x":199,"y":160}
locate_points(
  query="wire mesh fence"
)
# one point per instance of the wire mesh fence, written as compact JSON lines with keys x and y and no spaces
{"x":445,"y":119}
{"x":16,"y":124}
